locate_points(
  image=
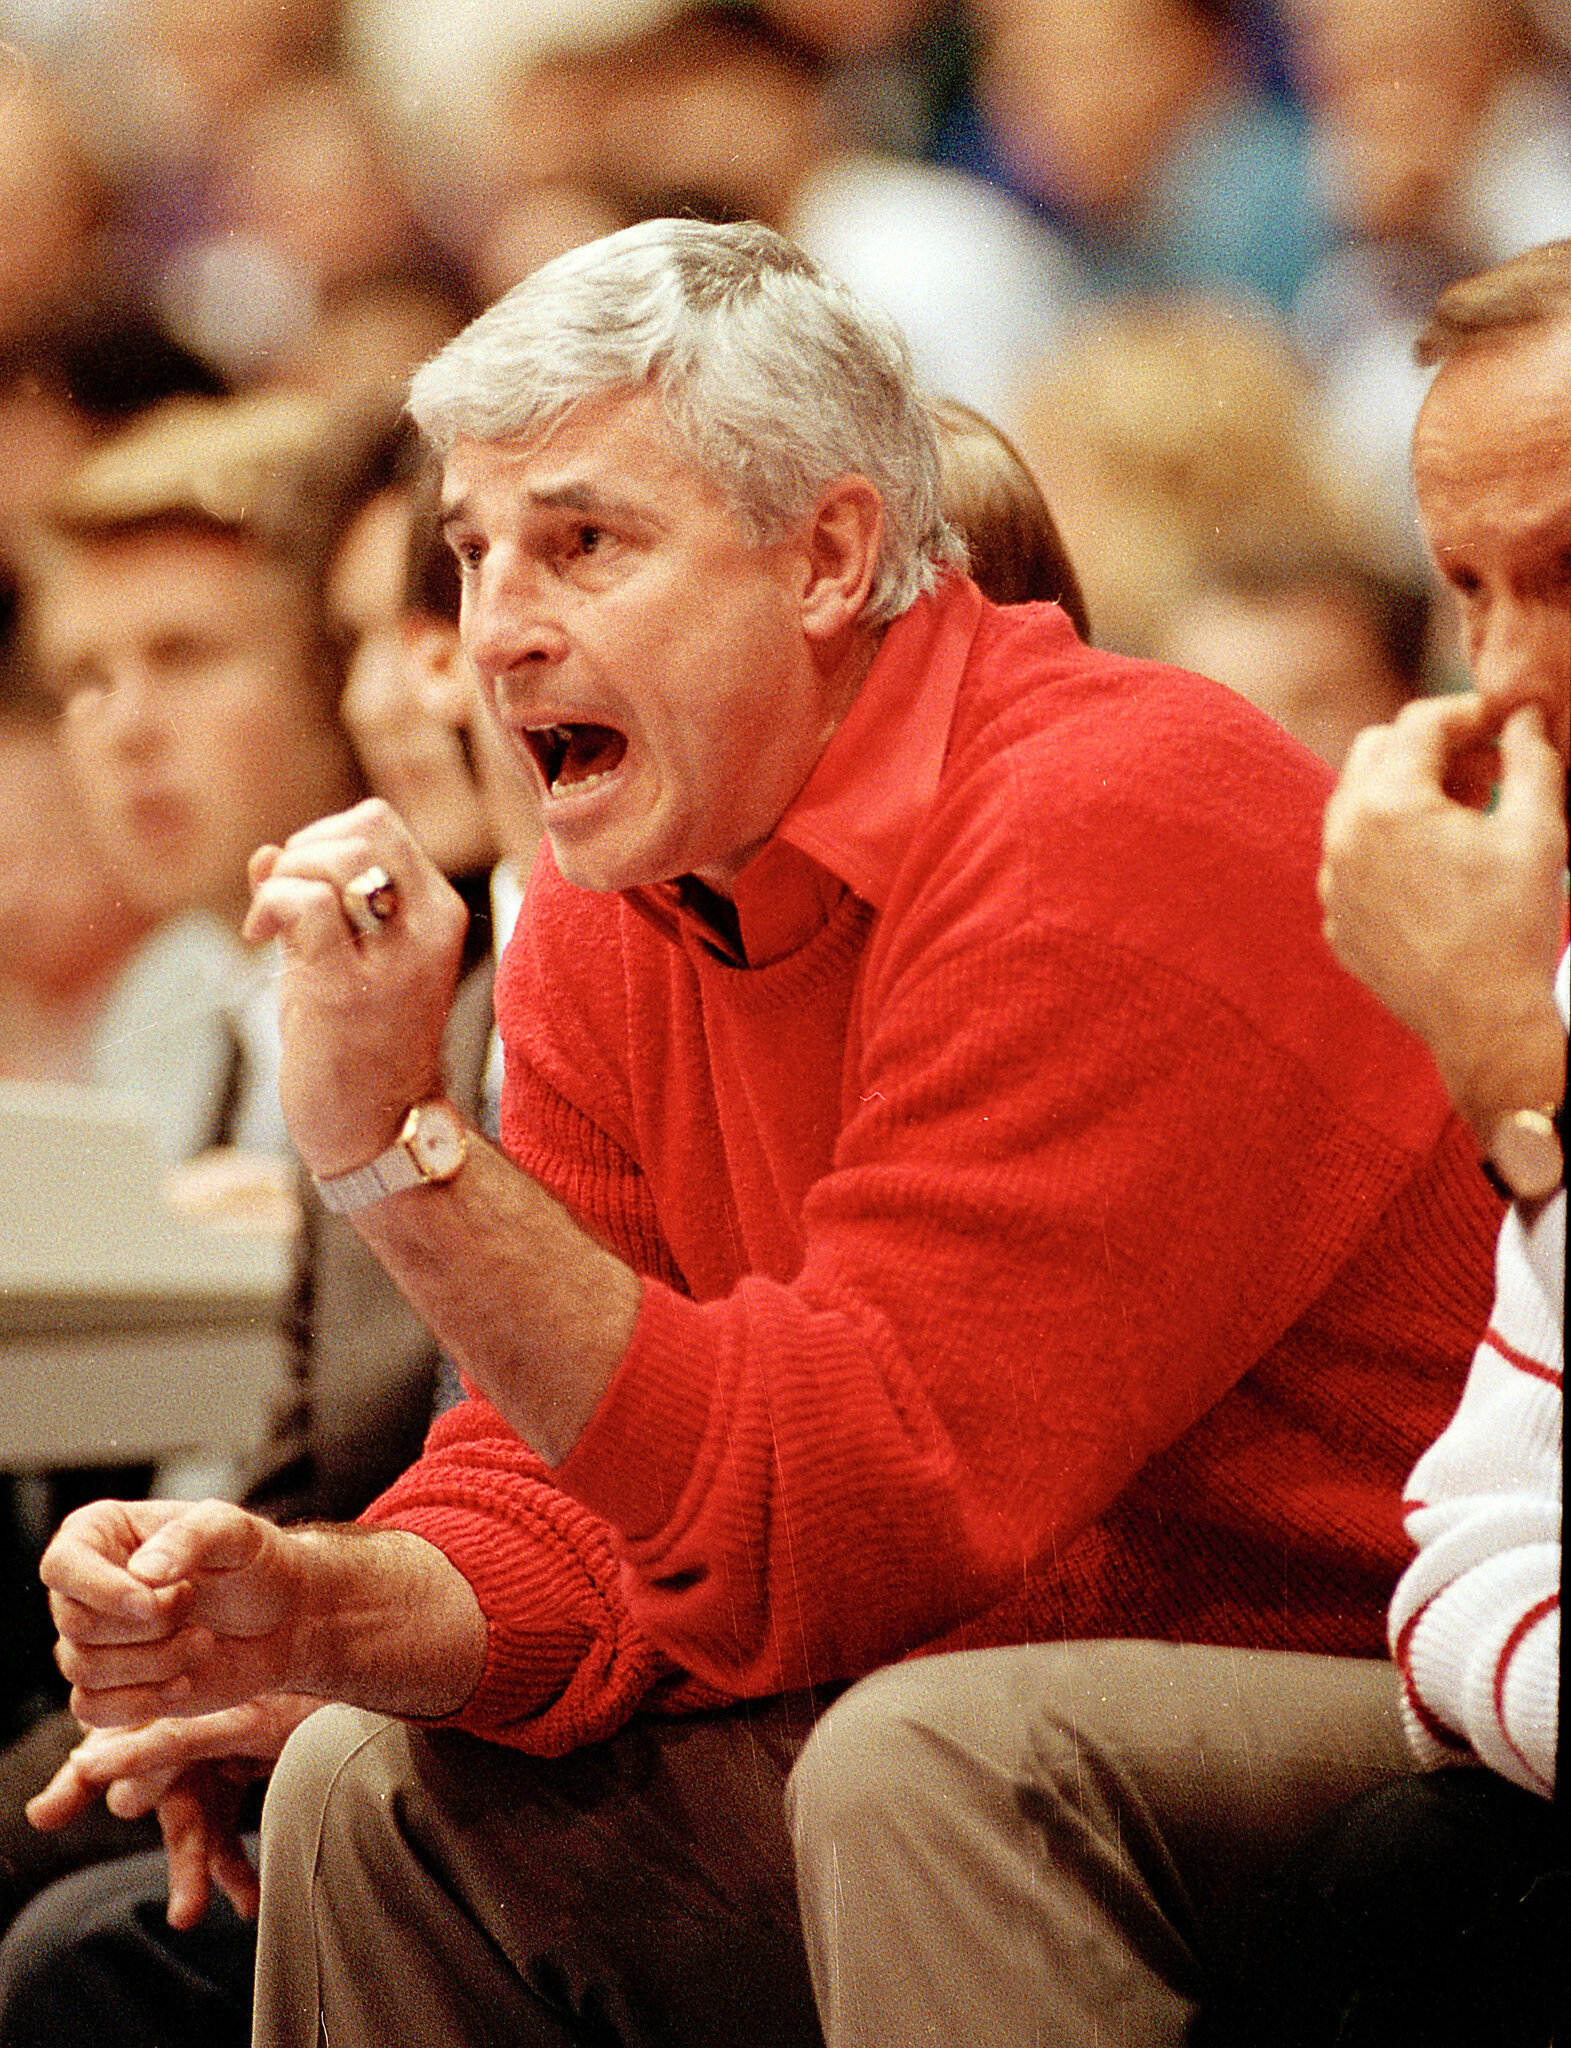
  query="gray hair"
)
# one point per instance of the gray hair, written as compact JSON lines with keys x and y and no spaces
{"x":775,"y":380}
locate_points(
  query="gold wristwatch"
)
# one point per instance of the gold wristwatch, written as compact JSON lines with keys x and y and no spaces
{"x":431,"y":1147}
{"x":1526,"y":1155}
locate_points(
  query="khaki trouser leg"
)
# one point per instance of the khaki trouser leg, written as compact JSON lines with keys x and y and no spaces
{"x":428,"y":1888}
{"x":1050,"y":1847}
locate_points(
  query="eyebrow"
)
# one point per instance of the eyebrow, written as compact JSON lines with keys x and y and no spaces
{"x":567,"y":497}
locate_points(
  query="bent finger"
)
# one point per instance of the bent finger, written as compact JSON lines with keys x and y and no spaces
{"x":67,"y":1795}
{"x":212,"y":1536}
{"x":109,"y":1667}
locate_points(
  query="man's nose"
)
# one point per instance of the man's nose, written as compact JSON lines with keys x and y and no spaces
{"x":1523,"y":656}
{"x":128,"y":710}
{"x":506,"y":621}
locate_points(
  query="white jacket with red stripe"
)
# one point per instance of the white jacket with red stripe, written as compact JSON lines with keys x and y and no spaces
{"x":1475,"y":1620}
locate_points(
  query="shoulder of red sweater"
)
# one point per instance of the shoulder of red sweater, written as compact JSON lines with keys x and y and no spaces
{"x":1111,"y":719}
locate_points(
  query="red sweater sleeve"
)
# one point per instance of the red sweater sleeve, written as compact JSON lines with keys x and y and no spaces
{"x":566,"y":1662}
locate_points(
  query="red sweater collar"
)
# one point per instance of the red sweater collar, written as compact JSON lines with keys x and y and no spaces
{"x":850,"y":823}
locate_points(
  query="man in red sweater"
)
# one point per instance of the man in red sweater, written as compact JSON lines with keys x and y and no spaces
{"x":948,"y":1195}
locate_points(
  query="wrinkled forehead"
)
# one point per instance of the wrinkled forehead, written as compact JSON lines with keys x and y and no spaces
{"x":1495,"y":427}
{"x":621,"y":448}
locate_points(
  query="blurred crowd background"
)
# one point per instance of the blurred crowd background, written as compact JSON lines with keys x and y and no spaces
{"x":1177,"y":249}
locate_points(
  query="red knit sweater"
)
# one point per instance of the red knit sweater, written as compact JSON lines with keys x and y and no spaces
{"x":1066,"y":1246}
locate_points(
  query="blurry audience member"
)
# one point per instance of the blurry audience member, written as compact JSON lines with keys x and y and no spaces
{"x":530,"y":226}
{"x":403,"y":648}
{"x":434,"y":68}
{"x":1170,"y":429}
{"x":367,"y":338}
{"x":1180,"y":446}
{"x":365,"y":1370}
{"x":1135,"y":125}
{"x":65,"y":928}
{"x":63,"y":386}
{"x":172,"y":610}
{"x":647,"y":125}
{"x":1441,"y":134}
{"x":164,"y":83}
{"x":653,"y":116}
{"x":894,"y":70}
{"x":1439,"y":121}
{"x":304,"y":200}
{"x":1324,"y":643}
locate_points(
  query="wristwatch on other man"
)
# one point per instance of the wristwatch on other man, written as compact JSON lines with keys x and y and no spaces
{"x":1526,"y":1160}
{"x":430,"y":1148}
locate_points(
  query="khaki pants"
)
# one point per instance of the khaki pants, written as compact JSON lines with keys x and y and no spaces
{"x":432,"y":1889}
{"x":1056,"y":1847}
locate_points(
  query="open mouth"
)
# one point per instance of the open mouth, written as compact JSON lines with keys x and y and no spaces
{"x":571,"y":756}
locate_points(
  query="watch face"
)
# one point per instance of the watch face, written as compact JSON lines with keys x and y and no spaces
{"x":1526,"y":1148}
{"x":438,"y":1140}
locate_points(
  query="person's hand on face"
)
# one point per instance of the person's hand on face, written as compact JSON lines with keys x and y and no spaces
{"x":1451,"y":912}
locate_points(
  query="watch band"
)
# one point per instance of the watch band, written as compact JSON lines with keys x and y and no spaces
{"x":430,"y":1148}
{"x":389,"y":1173}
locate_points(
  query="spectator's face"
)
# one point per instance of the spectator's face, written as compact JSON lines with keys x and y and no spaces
{"x":416,"y":761}
{"x":196,"y":722}
{"x":644,"y":656}
{"x":63,"y":923}
{"x":1492,"y":475}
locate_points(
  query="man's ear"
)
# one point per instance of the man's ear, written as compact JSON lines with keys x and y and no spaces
{"x":840,"y":542}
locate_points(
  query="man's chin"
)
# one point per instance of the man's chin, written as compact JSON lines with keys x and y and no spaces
{"x":600,"y":870}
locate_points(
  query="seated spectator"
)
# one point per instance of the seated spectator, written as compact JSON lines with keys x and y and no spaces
{"x":170,"y":609}
{"x":1169,"y":425}
{"x":1137,"y":128}
{"x":363,"y":1369}
{"x":1183,"y":453}
{"x":1438,"y":1910}
{"x":304,"y":202}
{"x":647,"y":124}
{"x":1014,"y":551}
{"x":1324,"y":642}
{"x":1441,"y":138}
{"x":828,"y":1300}
{"x":895,"y":70}
{"x":368,"y":337}
{"x":68,"y":383}
{"x":1077,"y":1840}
